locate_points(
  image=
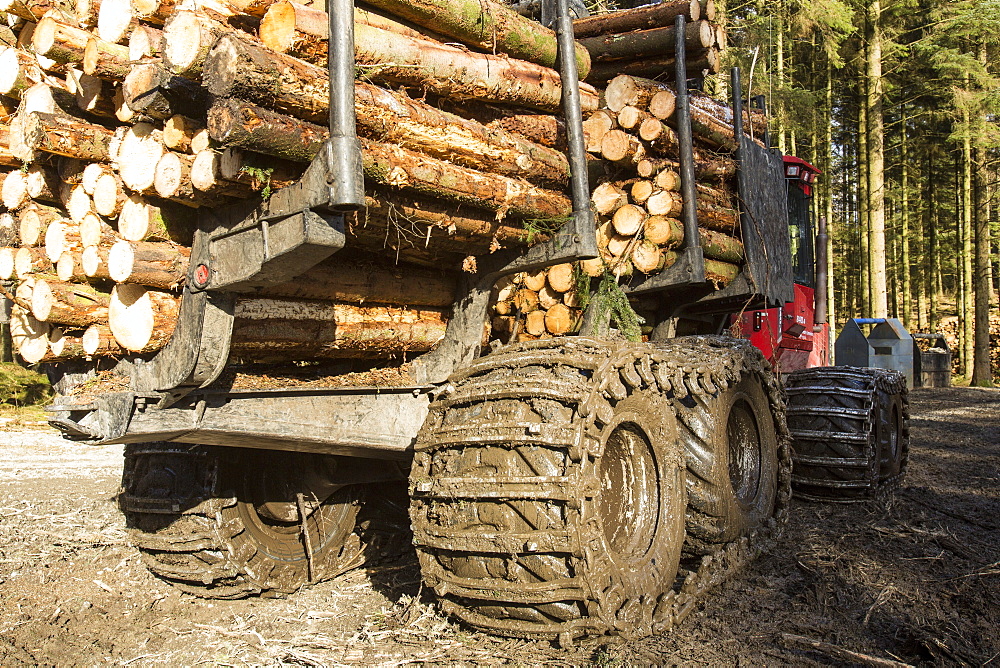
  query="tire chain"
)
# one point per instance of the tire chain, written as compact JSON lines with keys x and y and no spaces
{"x":192,"y":545}
{"x":560,"y":370}
{"x":878,"y":380}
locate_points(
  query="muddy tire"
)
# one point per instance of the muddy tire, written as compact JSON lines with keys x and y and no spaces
{"x":849,"y":435}
{"x":199,"y":517}
{"x":548,"y":495}
{"x":731,"y":452}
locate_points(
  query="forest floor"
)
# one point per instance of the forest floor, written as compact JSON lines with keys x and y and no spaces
{"x":914,"y":580}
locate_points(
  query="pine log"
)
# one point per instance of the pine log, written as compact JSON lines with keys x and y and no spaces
{"x":463,"y":223}
{"x":717,"y":272}
{"x":641,"y":191}
{"x":18,"y":71}
{"x":153,"y":264}
{"x":122,"y":111}
{"x":22,"y":295}
{"x":647,"y":257}
{"x":664,"y":203}
{"x":95,"y":232}
{"x":114,"y":20}
{"x":547,"y":297}
{"x":179,"y":132}
{"x":534,"y":322}
{"x":139,"y":152}
{"x":109,"y":195}
{"x":256,"y":170}
{"x":31,"y":260}
{"x":7,"y":267}
{"x":301,"y":31}
{"x":142,"y":320}
{"x":533,"y":281}
{"x":323,"y":329}
{"x":8,"y":229}
{"x":669,"y":233}
{"x":14,"y":191}
{"x":152,"y":90}
{"x":95,"y":96}
{"x":108,"y":61}
{"x":238,"y":68}
{"x":63,"y":135}
{"x":33,"y":221}
{"x":704,"y":167}
{"x":608,"y":198}
{"x":143,"y":220}
{"x":593,"y":267}
{"x":33,"y":10}
{"x":29,"y":336}
{"x":661,"y":138}
{"x":74,"y":304}
{"x":98,"y":341}
{"x":622,"y":148}
{"x":78,"y":204}
{"x":237,"y":123}
{"x":206,"y":177}
{"x":486,"y":25}
{"x":61,"y":42}
{"x":624,"y":91}
{"x":398,"y":167}
{"x":144,"y":42}
{"x":51,"y":97}
{"x":630,"y":117}
{"x":61,"y":236}
{"x":153,"y":11}
{"x":629,"y":219}
{"x":63,"y":345}
{"x":663,"y":104}
{"x":87,"y":174}
{"x":561,"y":277}
{"x":187,"y":38}
{"x":638,"y":18}
{"x":366,"y":280}
{"x":708,"y":60}
{"x":595,"y":127}
{"x":173,"y":181}
{"x":640,"y":44}
{"x":69,"y":267}
{"x":94,"y":261}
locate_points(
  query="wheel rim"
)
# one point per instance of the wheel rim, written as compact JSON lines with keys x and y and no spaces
{"x":744,"y":452}
{"x":630,"y":492}
{"x":896,"y":427}
{"x":283,"y":540}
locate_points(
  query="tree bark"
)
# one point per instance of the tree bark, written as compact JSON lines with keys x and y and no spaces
{"x":63,"y":135}
{"x":73,"y":304}
{"x":154,"y":264}
{"x":98,"y":341}
{"x":638,"y":18}
{"x":486,"y":25}
{"x":111,"y":62}
{"x":150,"y":89}
{"x":640,"y":44}
{"x":279,"y":327}
{"x":364,"y":280}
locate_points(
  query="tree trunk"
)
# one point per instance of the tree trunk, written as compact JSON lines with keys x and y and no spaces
{"x":154,"y":264}
{"x":876,"y":161}
{"x":151,"y":89}
{"x":640,"y":44}
{"x":487,"y":25}
{"x":142,"y":320}
{"x":982,"y":374}
{"x":73,"y":304}
{"x":111,"y":62}
{"x":275,"y":327}
{"x":638,"y":18}
{"x":370,"y":281}
{"x":63,"y":135}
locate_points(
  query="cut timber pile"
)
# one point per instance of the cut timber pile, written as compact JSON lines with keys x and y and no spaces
{"x":638,"y":205}
{"x":119,"y":120}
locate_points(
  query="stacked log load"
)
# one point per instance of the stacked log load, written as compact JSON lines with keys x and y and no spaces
{"x":121,"y":118}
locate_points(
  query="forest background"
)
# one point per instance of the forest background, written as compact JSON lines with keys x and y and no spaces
{"x":897,"y":102}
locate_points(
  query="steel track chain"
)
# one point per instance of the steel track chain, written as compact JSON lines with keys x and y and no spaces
{"x":677,"y":369}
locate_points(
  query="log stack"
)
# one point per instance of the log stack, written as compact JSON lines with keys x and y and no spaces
{"x":120,"y":119}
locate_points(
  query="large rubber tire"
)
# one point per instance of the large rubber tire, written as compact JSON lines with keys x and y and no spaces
{"x":892,"y":433}
{"x":849,"y":434}
{"x":195,"y":514}
{"x":548,"y":497}
{"x":731,"y":443}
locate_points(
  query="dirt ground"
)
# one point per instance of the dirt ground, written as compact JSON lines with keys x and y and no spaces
{"x":915,"y":580}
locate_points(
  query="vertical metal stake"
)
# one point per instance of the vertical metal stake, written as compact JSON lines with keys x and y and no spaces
{"x":345,"y":177}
